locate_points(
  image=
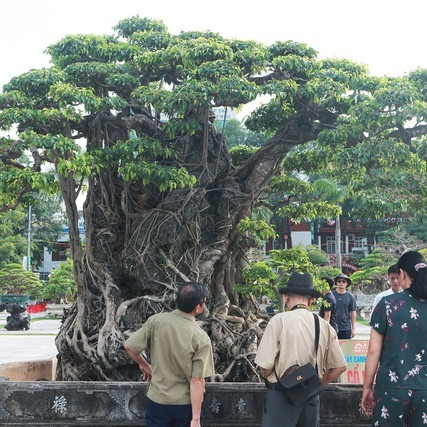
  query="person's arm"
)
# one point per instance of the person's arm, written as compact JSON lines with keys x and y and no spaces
{"x":197,"y":389}
{"x":331,"y":375}
{"x":373,"y":357}
{"x":327,"y":316}
{"x":353,"y":323}
{"x":376,"y":301}
{"x":266,"y":372}
{"x":142,"y":363}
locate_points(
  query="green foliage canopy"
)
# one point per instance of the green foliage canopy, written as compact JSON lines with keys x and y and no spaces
{"x":373,"y":270}
{"x":144,"y":65}
{"x":13,"y":245}
{"x":15,"y":280}
{"x":61,"y":284}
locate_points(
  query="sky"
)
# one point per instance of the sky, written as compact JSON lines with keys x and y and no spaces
{"x":386,"y":35}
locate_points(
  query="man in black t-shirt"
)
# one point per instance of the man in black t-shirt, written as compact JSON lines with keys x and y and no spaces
{"x":328,"y":310}
{"x":345,"y":308}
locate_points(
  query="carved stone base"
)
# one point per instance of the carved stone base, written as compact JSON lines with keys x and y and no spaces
{"x":123,"y":403}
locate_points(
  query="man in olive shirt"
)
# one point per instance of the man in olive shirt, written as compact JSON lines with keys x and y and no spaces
{"x":181,"y":357}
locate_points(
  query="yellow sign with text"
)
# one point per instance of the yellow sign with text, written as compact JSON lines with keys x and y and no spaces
{"x":355,"y":352}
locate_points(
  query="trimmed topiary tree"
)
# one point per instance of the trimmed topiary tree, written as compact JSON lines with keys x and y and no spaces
{"x":15,"y":280}
{"x":61,"y":284}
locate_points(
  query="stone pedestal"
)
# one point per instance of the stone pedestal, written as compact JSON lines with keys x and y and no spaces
{"x":123,"y":403}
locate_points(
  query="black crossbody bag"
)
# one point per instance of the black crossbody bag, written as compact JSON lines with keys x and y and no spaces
{"x":303,"y":383}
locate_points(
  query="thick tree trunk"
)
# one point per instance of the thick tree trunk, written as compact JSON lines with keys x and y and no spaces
{"x":140,"y":243}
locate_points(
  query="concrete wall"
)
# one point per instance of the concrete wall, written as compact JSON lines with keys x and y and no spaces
{"x":39,"y":370}
{"x":301,"y":238}
{"x":123,"y":403}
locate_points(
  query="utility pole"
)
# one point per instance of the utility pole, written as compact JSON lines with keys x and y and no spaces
{"x":338,"y":242}
{"x":29,"y":240}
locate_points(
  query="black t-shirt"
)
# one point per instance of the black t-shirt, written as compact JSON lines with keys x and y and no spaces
{"x":345,"y":304}
{"x":330,"y":299}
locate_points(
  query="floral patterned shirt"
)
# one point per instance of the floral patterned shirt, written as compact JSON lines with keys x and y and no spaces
{"x":402,"y":320}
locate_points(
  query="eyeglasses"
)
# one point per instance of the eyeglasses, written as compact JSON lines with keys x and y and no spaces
{"x":341,"y":281}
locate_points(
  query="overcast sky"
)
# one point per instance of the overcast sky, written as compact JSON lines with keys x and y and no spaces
{"x":387,"y":35}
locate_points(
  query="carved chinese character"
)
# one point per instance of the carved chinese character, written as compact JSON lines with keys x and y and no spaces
{"x":215,"y":404}
{"x":60,"y":404}
{"x":241,"y":405}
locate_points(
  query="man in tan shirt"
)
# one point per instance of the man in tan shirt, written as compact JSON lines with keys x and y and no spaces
{"x":181,"y":357}
{"x":288,"y":340}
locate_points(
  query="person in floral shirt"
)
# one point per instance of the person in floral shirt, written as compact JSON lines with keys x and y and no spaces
{"x":398,"y":343}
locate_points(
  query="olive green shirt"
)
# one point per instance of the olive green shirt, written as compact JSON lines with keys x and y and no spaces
{"x":288,"y":340}
{"x":180,"y":350}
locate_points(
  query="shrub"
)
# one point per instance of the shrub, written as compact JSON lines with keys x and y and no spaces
{"x":15,"y":280}
{"x":61,"y":284}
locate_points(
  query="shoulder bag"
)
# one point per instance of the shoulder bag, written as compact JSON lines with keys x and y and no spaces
{"x":303,"y":383}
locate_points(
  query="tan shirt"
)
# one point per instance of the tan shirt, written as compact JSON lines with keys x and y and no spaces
{"x":289,"y":340}
{"x":180,"y":350}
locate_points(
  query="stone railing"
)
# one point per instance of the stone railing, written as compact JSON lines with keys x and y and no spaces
{"x":123,"y":403}
{"x":364,"y":304}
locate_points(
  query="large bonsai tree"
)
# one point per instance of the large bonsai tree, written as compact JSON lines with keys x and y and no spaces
{"x":131,"y":115}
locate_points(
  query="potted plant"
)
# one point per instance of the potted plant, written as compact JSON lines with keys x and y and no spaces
{"x":17,"y":284}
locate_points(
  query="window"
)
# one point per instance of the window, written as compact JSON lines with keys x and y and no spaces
{"x":59,"y":252}
{"x":360,"y":242}
{"x":330,"y":245}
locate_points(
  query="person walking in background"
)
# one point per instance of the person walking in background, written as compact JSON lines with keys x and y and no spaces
{"x":398,"y":343}
{"x":289,"y":340}
{"x":393,"y":280}
{"x":328,"y":311}
{"x":181,"y":356}
{"x":345,"y":308}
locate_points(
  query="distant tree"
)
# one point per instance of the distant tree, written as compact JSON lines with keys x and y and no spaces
{"x":329,"y":271}
{"x":16,"y":280}
{"x":47,"y":224}
{"x":316,"y":255}
{"x":335,"y":194}
{"x":237,"y":134}
{"x":372,"y":275}
{"x":13,"y":244}
{"x":61,"y":284}
{"x":415,"y":228}
{"x":397,"y":240}
{"x":267,"y":277}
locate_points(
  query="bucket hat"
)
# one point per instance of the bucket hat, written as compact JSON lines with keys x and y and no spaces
{"x":300,"y":283}
{"x":342,"y":276}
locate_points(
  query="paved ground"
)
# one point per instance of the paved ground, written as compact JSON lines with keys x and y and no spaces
{"x":38,"y":342}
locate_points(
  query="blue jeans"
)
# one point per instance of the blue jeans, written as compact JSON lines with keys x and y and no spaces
{"x":159,"y":415}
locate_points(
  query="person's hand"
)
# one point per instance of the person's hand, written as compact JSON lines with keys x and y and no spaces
{"x":195,"y":423}
{"x":146,"y":371}
{"x":367,"y":401}
{"x":353,"y":333}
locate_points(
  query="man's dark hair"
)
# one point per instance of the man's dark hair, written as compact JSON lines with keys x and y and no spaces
{"x":190,"y":294}
{"x":329,"y":281}
{"x":393,"y":269}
